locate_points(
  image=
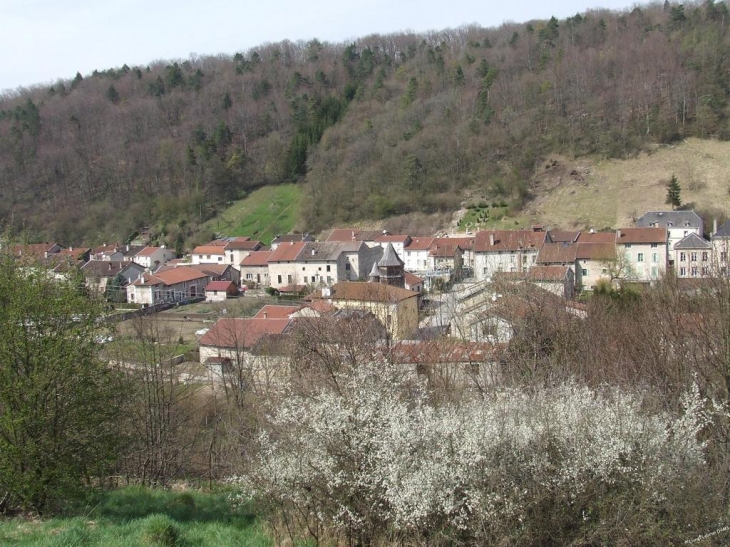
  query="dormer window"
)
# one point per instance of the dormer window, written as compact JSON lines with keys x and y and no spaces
{"x":670,"y":224}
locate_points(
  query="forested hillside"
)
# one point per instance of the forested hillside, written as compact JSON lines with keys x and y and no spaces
{"x":382,"y":126}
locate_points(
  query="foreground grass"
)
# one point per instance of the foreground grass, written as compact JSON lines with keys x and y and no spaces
{"x":262,"y":215}
{"x":140,"y":516}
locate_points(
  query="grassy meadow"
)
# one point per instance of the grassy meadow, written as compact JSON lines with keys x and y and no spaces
{"x":137,"y":516}
{"x":262,"y":215}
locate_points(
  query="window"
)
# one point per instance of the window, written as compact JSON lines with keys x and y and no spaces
{"x":694,"y":271}
{"x":585,"y":272}
{"x":693,"y":257}
{"x":347,"y":266}
{"x":288,"y":278}
{"x":682,"y":271}
{"x":249,"y":276}
{"x":628,"y":246}
{"x":705,"y":271}
{"x":640,"y":257}
{"x":231,"y":258}
{"x":305,"y":279}
{"x":723,"y":256}
{"x":279,"y":279}
{"x":329,"y":279}
{"x":704,"y":256}
{"x":220,"y":259}
{"x":654,"y":257}
{"x":654,"y":245}
{"x":328,"y":267}
{"x":683,"y":257}
{"x":207,"y":257}
{"x":303,"y":268}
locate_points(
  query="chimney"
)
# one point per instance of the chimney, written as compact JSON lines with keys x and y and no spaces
{"x":353,"y":234}
{"x":314,"y":252}
{"x":266,"y":315}
{"x":491,"y":239}
{"x":714,"y":226}
{"x":618,"y":234}
{"x":110,"y":266}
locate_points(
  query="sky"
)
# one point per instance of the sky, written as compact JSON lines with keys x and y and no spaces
{"x":46,"y":40}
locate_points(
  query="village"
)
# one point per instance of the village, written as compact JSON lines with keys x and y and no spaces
{"x":414,"y":291}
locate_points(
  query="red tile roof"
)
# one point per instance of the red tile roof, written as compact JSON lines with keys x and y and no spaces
{"x":641,"y":235}
{"x":286,"y":252}
{"x":596,"y":251}
{"x":412,"y":280}
{"x":389,"y":238}
{"x":271,"y":311}
{"x":239,"y":333}
{"x":246,"y":245}
{"x":464,"y":242}
{"x":557,"y":253}
{"x":219,"y":286}
{"x":257,"y":258}
{"x":508,"y":240}
{"x":148,"y":251}
{"x":420,"y":244}
{"x":209,"y":250}
{"x":597,"y":237}
{"x":172,"y":276}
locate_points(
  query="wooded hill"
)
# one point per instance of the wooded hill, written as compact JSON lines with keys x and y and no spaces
{"x":382,"y":126}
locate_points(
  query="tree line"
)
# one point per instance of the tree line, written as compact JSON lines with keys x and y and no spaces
{"x":381,"y":126}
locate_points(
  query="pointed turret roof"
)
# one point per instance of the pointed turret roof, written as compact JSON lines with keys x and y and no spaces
{"x":375,"y":272}
{"x":390,"y":258}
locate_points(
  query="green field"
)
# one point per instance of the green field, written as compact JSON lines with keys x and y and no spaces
{"x":262,"y":215}
{"x":141,"y":516}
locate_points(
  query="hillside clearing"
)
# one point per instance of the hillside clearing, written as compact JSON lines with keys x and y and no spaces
{"x":262,"y":215}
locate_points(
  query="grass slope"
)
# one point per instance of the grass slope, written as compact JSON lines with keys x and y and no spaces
{"x":612,"y":193}
{"x":140,"y":516}
{"x":587,"y":193}
{"x":262,"y":215}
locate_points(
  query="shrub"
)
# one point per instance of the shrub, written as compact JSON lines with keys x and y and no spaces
{"x":160,"y":530}
{"x":538,"y":466}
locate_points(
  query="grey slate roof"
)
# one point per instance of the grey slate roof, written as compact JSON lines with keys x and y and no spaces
{"x":327,"y":251}
{"x":669,"y":219}
{"x":375,"y":271}
{"x":390,"y":258}
{"x":692,"y":241}
{"x":723,"y":231}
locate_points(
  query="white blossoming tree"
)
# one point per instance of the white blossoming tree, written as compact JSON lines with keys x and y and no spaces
{"x":375,"y":461}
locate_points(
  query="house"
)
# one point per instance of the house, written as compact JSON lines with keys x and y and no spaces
{"x":399,"y":242}
{"x":693,"y":257}
{"x":677,"y":223}
{"x":98,"y":274}
{"x":154,"y":257}
{"x":642,"y":253}
{"x":35,"y":251}
{"x":289,"y":238}
{"x":209,"y":254}
{"x":343,"y":235}
{"x":241,"y":348}
{"x":107,"y":253}
{"x":238,"y":249}
{"x":416,"y":254}
{"x":595,"y":261}
{"x":506,"y":251}
{"x":219,"y":291}
{"x":325,"y":263}
{"x":255,"y":269}
{"x":720,"y":247}
{"x":412,"y":282}
{"x":465,"y":243}
{"x":174,"y":285}
{"x":394,"y":307}
{"x":216,"y":272}
{"x":445,"y":362}
{"x":282,"y":267}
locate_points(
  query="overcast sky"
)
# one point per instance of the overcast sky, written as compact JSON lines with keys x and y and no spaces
{"x":44,"y":40}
